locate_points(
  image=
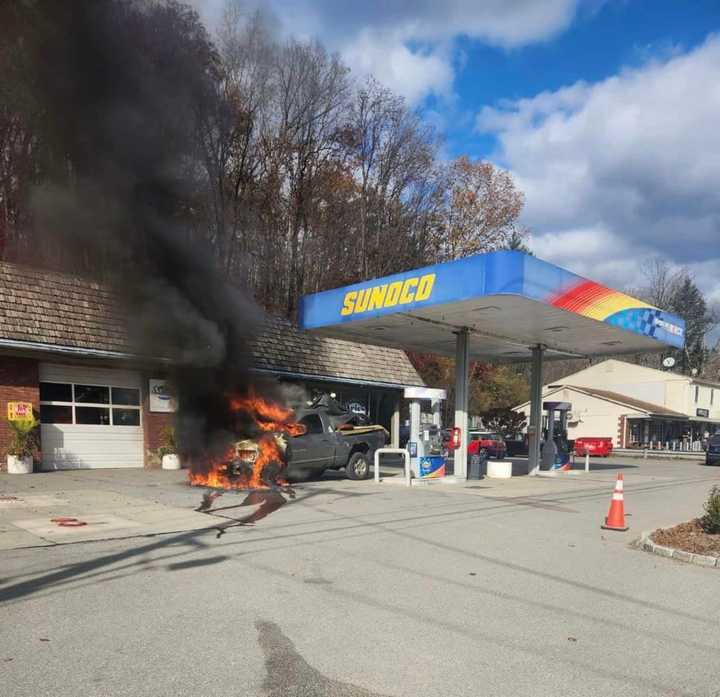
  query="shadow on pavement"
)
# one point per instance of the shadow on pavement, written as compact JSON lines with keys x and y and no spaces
{"x":603,"y":466}
{"x":194,"y":563}
{"x":177,"y":550}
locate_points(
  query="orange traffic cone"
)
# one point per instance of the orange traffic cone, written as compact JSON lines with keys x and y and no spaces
{"x":616,"y":515}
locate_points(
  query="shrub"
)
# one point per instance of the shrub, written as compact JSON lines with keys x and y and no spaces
{"x":167,"y":442}
{"x":24,"y":437}
{"x":711,"y":519}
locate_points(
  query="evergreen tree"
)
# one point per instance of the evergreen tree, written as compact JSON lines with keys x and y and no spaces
{"x":687,"y":302}
{"x":518,"y":240}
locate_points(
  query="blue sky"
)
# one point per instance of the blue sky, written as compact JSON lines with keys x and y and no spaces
{"x":606,"y":112}
{"x":602,"y":40}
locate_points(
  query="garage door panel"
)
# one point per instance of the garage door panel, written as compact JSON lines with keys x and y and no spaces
{"x":83,"y":446}
{"x":84,"y":375}
{"x":90,"y":446}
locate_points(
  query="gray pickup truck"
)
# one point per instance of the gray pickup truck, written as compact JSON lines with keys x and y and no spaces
{"x":334,"y":439}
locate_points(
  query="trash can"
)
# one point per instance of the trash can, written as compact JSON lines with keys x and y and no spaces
{"x":477,"y":464}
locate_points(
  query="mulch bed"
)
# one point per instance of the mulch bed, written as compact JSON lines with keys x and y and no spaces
{"x":689,"y":537}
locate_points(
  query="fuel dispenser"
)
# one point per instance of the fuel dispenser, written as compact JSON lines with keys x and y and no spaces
{"x":555,"y":453}
{"x":425,"y":446}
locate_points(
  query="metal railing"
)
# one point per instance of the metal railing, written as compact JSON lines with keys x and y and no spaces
{"x":392,"y":451}
{"x":670,"y":446}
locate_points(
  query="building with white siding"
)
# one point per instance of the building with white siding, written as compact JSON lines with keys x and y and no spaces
{"x":637,"y":406}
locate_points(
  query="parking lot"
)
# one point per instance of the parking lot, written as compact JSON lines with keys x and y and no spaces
{"x":351,"y":588}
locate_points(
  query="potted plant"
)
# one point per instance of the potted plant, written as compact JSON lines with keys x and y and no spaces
{"x":22,"y":446}
{"x":167,"y":452}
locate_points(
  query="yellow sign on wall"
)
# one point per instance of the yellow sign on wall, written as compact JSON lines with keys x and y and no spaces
{"x":20,"y":411}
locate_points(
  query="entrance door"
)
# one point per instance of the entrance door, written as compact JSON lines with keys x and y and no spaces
{"x":90,"y":417}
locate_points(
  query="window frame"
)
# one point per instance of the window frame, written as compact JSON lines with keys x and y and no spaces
{"x":109,"y":405}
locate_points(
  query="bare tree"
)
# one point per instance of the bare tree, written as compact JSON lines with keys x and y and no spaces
{"x":393,"y":155}
{"x":661,"y":282}
{"x":312,"y":92}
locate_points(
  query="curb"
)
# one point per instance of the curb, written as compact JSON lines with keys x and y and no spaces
{"x":648,"y":545}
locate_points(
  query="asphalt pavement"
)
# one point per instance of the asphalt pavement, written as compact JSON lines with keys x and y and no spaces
{"x":355,"y":589}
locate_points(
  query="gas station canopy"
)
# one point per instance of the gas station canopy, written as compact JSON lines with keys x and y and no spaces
{"x":507,"y":301}
{"x":503,"y":306}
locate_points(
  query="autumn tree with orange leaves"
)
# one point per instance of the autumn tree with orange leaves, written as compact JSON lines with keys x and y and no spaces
{"x":481,"y":212}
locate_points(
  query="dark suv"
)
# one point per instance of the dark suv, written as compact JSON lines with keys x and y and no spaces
{"x":712,"y":456}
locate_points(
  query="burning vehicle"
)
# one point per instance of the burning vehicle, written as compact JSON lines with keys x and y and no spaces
{"x":293,"y":446}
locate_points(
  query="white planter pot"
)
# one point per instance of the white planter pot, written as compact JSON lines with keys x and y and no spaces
{"x":170,"y":462}
{"x":498,"y":469}
{"x":19,"y":465}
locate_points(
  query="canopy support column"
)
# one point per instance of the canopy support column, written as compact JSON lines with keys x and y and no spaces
{"x":535,"y":425}
{"x":395,"y":425}
{"x":415,"y":436}
{"x":461,"y":401}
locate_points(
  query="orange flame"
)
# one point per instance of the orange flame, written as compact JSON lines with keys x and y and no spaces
{"x":268,"y":416}
{"x":249,"y":464}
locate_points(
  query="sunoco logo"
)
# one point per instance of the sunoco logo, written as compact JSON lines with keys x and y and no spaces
{"x":668,"y":326}
{"x":410,"y":290}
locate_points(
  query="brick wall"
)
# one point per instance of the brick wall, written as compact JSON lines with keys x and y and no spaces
{"x":153,"y":425}
{"x":622,"y":435}
{"x":18,"y":383}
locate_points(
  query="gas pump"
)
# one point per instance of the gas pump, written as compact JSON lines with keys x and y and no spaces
{"x":427,"y":457}
{"x":555,"y":450}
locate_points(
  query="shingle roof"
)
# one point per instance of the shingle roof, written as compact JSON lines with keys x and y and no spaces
{"x":283,"y":347}
{"x":53,"y":308}
{"x":43,"y":307}
{"x":629,"y":401}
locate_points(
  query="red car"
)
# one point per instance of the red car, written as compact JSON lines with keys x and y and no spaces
{"x":595,"y":447}
{"x":492,"y":443}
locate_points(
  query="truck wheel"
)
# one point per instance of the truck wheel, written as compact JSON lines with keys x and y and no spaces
{"x":358,"y":466}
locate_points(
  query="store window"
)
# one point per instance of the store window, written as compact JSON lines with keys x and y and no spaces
{"x":126,"y":417}
{"x":56,"y":414}
{"x":91,"y":394}
{"x":89,"y":405}
{"x":126,"y":395}
{"x":55,"y":392}
{"x":92,"y":416}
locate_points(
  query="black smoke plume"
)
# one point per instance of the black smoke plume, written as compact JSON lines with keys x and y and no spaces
{"x":123,"y":87}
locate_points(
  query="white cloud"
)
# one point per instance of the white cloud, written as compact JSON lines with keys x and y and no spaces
{"x":501,"y":22}
{"x":409,"y":46}
{"x":622,"y":169}
{"x":414,"y":74}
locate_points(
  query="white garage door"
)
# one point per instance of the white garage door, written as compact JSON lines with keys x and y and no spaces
{"x":90,"y":417}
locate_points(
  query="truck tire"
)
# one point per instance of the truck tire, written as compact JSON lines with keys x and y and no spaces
{"x":358,"y":466}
